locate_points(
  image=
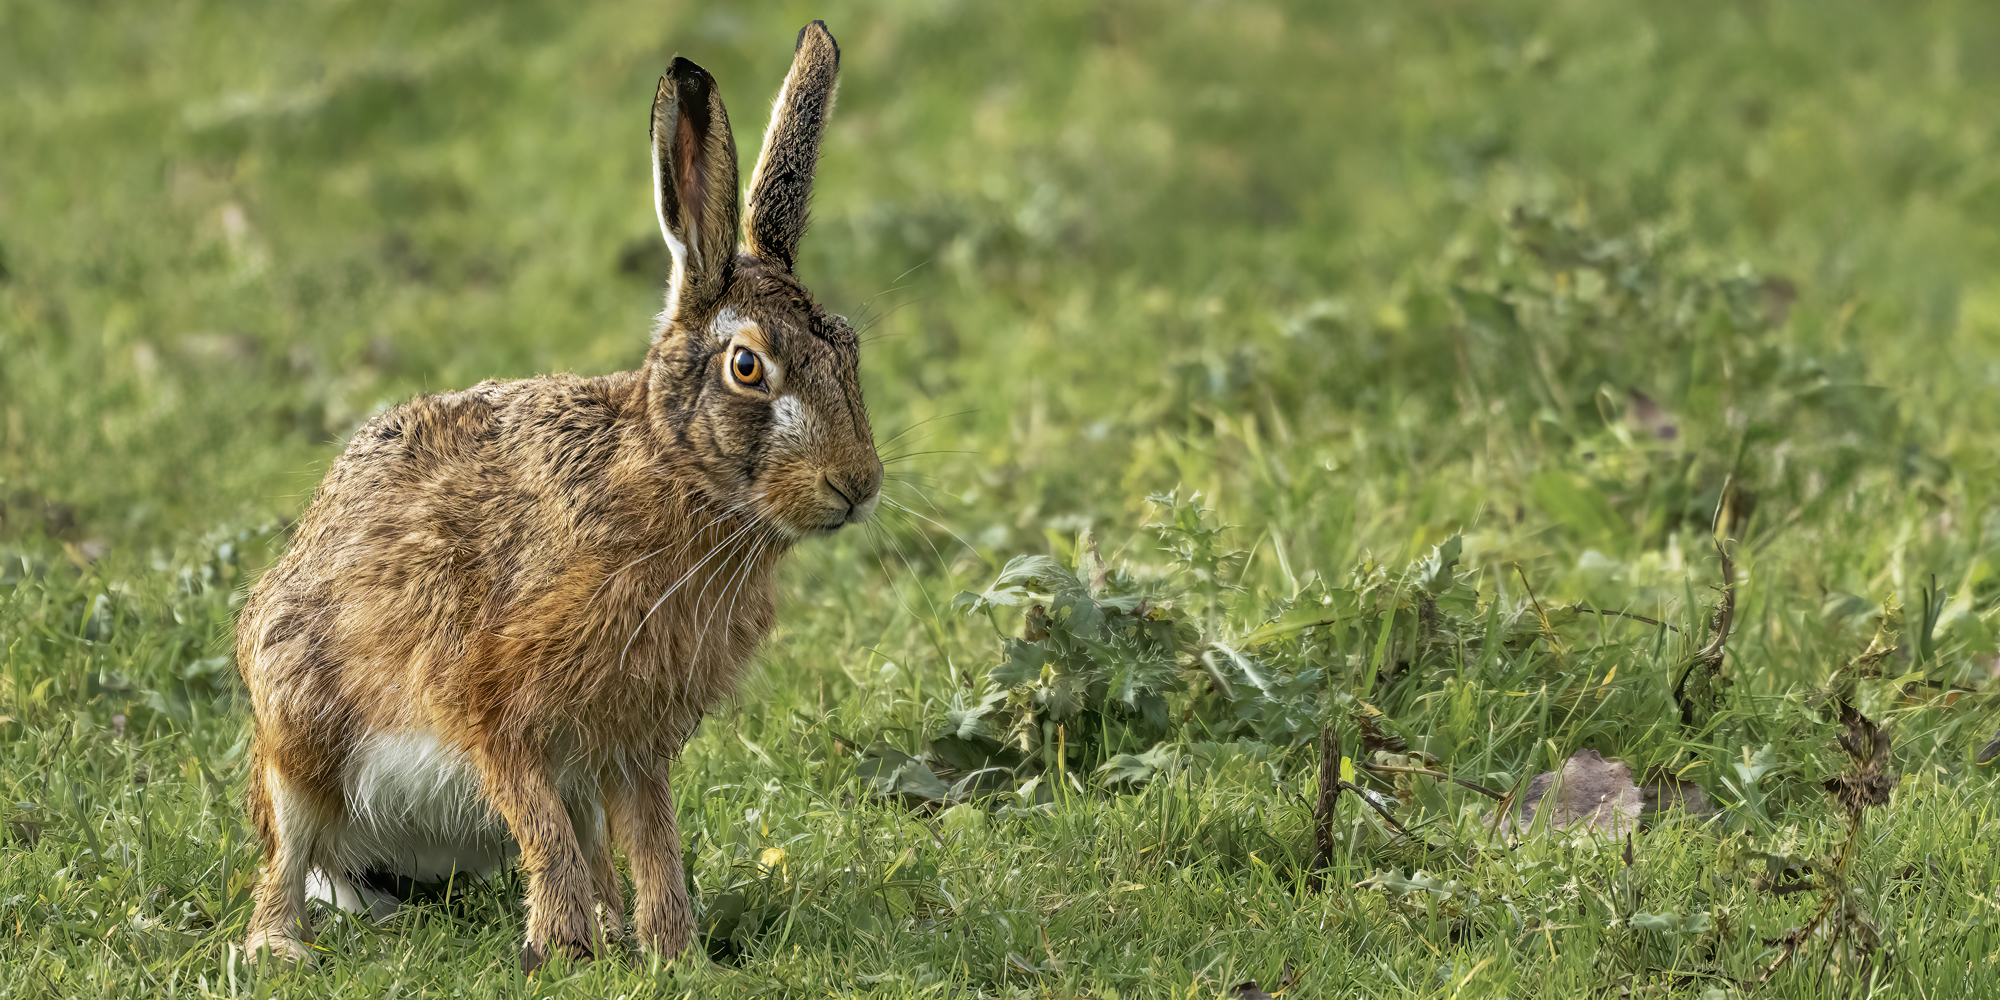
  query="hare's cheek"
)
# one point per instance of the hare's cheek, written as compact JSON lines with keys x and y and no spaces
{"x":796,"y":429}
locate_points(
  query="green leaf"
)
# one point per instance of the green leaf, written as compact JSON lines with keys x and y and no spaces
{"x":1022,"y":666}
{"x":1434,"y":574}
{"x":1671,"y":922}
{"x":1063,"y":697}
{"x":880,"y":762}
{"x":976,"y":722}
{"x":1394,"y":881}
{"x":967,"y":755}
{"x":1039,"y":574}
{"x":1139,"y":768}
{"x":1297,"y":619}
{"x":916,"y":778}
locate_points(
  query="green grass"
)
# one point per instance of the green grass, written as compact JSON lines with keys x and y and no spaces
{"x":1366,"y":276}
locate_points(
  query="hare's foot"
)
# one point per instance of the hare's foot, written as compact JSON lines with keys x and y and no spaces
{"x":535,"y":954}
{"x":277,"y":944}
{"x":558,"y":925}
{"x":665,"y":924}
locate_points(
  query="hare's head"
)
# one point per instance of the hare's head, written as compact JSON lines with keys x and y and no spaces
{"x":755,"y":383}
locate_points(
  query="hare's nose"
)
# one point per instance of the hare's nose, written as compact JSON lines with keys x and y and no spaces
{"x":860,"y":490}
{"x":863,"y":486}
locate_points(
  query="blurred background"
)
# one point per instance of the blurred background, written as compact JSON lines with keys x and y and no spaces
{"x":1365,"y":275}
{"x":1562,"y":279}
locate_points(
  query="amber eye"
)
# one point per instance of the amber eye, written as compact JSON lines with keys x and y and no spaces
{"x":746,"y":366}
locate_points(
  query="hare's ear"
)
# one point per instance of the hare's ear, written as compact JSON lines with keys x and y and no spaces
{"x":694,"y":186}
{"x":781,"y":187}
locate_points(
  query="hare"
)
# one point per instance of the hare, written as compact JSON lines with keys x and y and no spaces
{"x":507,"y":608}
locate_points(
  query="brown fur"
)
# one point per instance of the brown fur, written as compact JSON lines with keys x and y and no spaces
{"x":552,"y":580}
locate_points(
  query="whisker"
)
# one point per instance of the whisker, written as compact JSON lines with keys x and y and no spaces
{"x":932,"y":628}
{"x":906,"y":456}
{"x":743,"y":579}
{"x":688,"y":517}
{"x":891,"y":439}
{"x":943,"y":564}
{"x":742,"y":576}
{"x":676,"y":585}
{"x":893,"y":502}
{"x":721,"y":568}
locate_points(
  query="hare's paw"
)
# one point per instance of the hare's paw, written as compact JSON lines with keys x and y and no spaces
{"x":277,"y":944}
{"x":665,"y":930}
{"x":535,"y":954}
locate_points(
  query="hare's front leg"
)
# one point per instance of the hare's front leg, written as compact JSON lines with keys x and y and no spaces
{"x":561,"y":887}
{"x":641,"y":808}
{"x":593,"y":834}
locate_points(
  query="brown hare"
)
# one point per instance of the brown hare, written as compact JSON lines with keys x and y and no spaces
{"x":508,"y":608}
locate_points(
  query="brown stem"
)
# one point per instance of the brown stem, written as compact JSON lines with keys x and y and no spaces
{"x":1724,"y":619}
{"x":1461,"y":782}
{"x":1588,"y":610}
{"x":1329,"y":789}
{"x":1359,"y":793}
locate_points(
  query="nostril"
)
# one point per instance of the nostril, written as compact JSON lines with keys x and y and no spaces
{"x":843,"y":494}
{"x":861,"y":488}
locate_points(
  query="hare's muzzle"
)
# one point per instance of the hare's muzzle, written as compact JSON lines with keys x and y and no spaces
{"x":853,"y":495}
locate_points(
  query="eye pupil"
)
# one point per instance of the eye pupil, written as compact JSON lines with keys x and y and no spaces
{"x":747,"y":367}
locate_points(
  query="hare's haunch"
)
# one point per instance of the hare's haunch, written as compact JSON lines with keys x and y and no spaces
{"x":508,"y":608}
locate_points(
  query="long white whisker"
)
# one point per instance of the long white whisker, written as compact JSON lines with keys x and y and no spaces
{"x":944,"y":565}
{"x":742,"y":577}
{"x":687,"y":517}
{"x":893,"y":502}
{"x":702,"y":632}
{"x":676,"y":585}
{"x":942,"y":416}
{"x":734,"y":588}
{"x":930,"y":628}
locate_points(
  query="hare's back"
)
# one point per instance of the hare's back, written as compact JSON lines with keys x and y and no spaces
{"x":475,"y":462}
{"x":438,"y":509}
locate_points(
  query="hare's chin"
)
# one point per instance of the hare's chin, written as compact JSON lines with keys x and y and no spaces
{"x":798,"y":532}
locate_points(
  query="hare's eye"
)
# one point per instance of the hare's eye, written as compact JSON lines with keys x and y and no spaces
{"x":746,"y":366}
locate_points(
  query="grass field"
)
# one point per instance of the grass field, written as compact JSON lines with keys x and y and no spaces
{"x":1562,"y":288}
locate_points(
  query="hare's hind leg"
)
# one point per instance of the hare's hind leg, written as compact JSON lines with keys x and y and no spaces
{"x":641,"y":809}
{"x":289,"y":821}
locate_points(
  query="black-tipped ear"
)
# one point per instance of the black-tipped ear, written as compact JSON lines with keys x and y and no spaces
{"x":694,"y":185}
{"x":781,"y":187}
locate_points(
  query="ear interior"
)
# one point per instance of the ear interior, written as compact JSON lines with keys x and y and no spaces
{"x":694,"y":185}
{"x":781,"y":186}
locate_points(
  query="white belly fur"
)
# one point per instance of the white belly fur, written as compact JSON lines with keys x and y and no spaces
{"x":415,"y":808}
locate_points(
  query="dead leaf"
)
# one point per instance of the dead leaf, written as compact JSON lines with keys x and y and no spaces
{"x":1599,"y":794}
{"x":1868,"y":746}
{"x":1989,"y":752}
{"x":1590,"y":791}
{"x":1662,"y":791}
{"x":1649,"y":418}
{"x":1035,"y":626}
{"x":1888,"y":628}
{"x":1373,"y":738}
